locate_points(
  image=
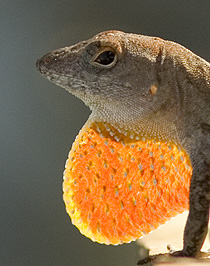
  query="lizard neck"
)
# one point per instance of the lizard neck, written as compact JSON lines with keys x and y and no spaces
{"x":130,"y":125}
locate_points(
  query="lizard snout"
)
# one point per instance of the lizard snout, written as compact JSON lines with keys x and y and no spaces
{"x":39,"y":63}
{"x":44,"y":62}
{"x":50,"y":60}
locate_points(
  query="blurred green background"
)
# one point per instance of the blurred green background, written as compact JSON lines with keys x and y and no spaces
{"x":39,"y":120}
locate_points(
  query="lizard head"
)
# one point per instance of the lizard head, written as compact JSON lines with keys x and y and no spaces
{"x":118,"y":75}
{"x":119,"y":181}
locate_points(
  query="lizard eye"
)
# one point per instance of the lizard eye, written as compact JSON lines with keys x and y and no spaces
{"x":106,"y":58}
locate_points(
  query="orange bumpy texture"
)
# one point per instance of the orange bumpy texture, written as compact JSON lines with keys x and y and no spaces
{"x":116,"y":191}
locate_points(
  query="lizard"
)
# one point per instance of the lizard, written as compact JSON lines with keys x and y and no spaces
{"x":143,"y":155}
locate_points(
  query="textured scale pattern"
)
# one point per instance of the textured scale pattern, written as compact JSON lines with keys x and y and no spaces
{"x":117,"y":188}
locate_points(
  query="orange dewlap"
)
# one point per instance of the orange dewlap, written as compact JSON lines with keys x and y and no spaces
{"x":116,"y":191}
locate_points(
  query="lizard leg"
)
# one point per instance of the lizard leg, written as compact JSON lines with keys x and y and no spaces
{"x":197,"y":222}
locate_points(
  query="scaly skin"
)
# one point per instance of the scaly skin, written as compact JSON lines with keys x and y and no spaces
{"x":144,"y":93}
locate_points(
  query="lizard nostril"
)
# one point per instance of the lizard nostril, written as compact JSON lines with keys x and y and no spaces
{"x":43,"y":62}
{"x":47,"y":60}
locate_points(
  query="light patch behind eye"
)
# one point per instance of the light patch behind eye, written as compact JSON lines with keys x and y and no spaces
{"x":153,"y":89}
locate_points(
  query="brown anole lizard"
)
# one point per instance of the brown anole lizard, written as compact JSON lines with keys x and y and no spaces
{"x":145,"y":148}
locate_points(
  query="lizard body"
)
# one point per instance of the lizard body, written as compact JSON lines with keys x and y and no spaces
{"x":150,"y":123}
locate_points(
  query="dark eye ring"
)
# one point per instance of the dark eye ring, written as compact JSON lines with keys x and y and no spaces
{"x":106,"y":57}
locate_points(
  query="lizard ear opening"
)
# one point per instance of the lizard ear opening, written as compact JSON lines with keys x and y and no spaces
{"x":106,"y":57}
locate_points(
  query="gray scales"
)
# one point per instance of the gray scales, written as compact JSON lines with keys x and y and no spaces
{"x":153,"y":87}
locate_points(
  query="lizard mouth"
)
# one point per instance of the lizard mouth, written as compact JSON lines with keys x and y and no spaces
{"x":58,"y":77}
{"x":49,"y":66}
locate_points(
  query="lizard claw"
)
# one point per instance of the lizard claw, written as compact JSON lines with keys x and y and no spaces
{"x":146,"y":261}
{"x":150,"y":260}
{"x":179,"y":253}
{"x":162,"y":257}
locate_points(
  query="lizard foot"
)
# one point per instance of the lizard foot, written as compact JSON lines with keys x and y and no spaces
{"x":179,"y":253}
{"x":182,"y":253}
{"x":173,"y":256}
{"x":151,"y":260}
